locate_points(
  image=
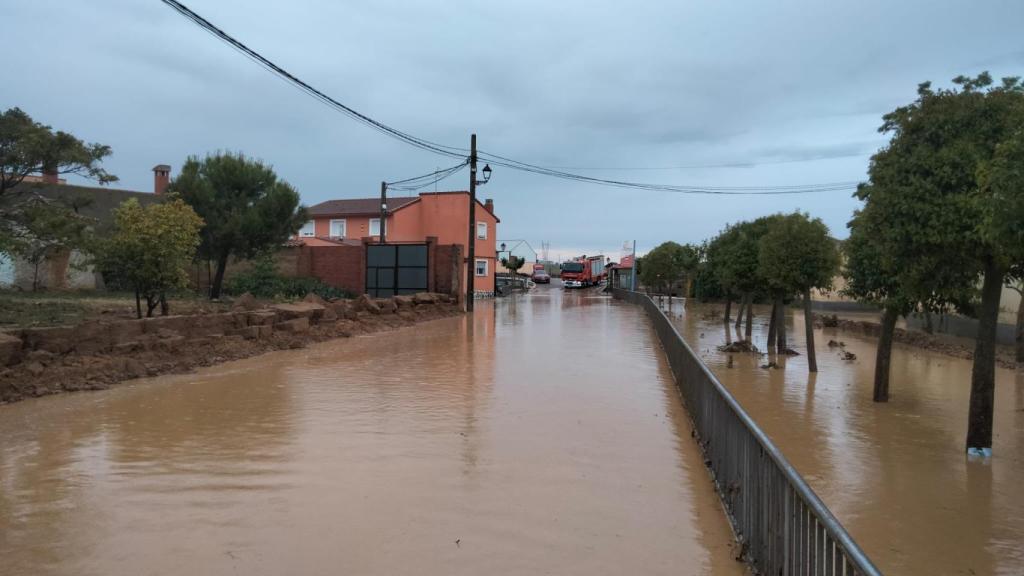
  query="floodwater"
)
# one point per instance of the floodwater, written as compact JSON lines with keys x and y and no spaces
{"x":542,"y":436}
{"x":894,"y":474}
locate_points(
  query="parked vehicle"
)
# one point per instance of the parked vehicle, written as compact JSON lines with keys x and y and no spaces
{"x":539,"y":276}
{"x":583,"y":271}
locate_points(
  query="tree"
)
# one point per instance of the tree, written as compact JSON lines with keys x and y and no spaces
{"x":873,"y":278}
{"x":941,"y":190}
{"x":721,"y":261}
{"x":668,"y":263}
{"x":151,"y":249}
{"x":1003,"y":222}
{"x":43,"y":230}
{"x":513,"y":263}
{"x":797,"y":255}
{"x":245,"y":207}
{"x":28,"y":147}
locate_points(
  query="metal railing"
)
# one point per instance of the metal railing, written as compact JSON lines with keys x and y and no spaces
{"x":781,"y":524}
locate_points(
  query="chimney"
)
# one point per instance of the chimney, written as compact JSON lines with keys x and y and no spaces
{"x":50,"y":175}
{"x":489,"y":204}
{"x":161,"y":178}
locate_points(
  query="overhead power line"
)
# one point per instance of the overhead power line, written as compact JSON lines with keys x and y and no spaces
{"x":455,"y":152}
{"x":733,"y":164}
{"x":426,"y":180}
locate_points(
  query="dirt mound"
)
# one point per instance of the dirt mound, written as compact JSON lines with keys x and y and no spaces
{"x":934,"y":342}
{"x":94,"y":356}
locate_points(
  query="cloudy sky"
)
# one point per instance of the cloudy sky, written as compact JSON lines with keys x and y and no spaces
{"x":704,"y":93}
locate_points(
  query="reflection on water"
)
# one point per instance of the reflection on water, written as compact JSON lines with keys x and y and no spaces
{"x":895,"y":474}
{"x":542,"y":435}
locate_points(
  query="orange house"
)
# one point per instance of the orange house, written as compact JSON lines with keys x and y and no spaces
{"x":444,"y":215}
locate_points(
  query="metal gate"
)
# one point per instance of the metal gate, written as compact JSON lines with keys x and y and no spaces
{"x":393,"y":269}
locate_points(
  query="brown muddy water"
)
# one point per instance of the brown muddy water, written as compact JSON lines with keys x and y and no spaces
{"x":894,"y":474}
{"x":542,"y":436}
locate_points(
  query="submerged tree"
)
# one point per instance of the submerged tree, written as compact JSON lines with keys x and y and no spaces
{"x":945,"y":188}
{"x":668,"y":263}
{"x":246,"y":209}
{"x":797,"y":255}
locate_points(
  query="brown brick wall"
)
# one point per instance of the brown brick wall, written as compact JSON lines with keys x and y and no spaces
{"x":340,"y":266}
{"x":448,"y":266}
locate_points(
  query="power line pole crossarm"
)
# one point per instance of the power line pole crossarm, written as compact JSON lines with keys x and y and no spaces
{"x":471,"y":244}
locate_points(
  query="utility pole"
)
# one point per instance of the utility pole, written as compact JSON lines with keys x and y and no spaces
{"x":471,"y":245}
{"x":383,"y":210}
{"x":633,"y":275}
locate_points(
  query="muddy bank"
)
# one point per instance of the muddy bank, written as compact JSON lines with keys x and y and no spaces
{"x":96,"y":355}
{"x":950,"y":346}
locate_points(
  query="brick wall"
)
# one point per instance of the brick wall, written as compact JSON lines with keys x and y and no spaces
{"x":345,"y":267}
{"x":448,"y":268}
{"x":340,"y":266}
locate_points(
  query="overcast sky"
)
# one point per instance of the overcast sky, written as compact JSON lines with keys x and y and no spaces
{"x":722,"y":93}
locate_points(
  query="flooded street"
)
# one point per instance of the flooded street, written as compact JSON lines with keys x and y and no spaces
{"x":894,"y":474}
{"x":542,"y":436}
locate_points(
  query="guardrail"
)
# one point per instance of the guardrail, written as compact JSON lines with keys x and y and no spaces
{"x":781,"y":524}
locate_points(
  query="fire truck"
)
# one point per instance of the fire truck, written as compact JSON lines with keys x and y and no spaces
{"x":583,"y":271}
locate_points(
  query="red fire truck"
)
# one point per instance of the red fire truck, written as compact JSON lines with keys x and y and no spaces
{"x":583,"y":271}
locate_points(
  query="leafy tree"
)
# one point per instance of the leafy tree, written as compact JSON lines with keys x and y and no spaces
{"x":513,"y":263}
{"x":943,"y":185}
{"x":28,"y":147}
{"x":245,"y":207}
{"x":796,"y":255}
{"x":720,"y":261}
{"x":151,"y":249}
{"x":1003,"y":223}
{"x":873,"y":278}
{"x":43,"y":230}
{"x":668,"y":263}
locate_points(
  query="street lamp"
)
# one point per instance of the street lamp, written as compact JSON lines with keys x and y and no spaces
{"x":487,"y":175}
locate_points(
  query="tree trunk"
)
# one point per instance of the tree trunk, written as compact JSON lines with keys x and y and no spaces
{"x":164,"y":308}
{"x":883,"y":356}
{"x":739,"y":314}
{"x":138,"y":304}
{"x":1020,"y":330}
{"x":151,"y":303}
{"x":750,"y":318}
{"x":35,"y":276}
{"x":218,"y":280}
{"x":812,"y":360}
{"x":771,"y":326}
{"x":983,"y":373}
{"x":780,"y":327}
{"x":728,"y":308}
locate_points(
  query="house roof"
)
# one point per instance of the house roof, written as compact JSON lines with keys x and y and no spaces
{"x":357,"y":206}
{"x":625,"y":263}
{"x":99,"y":203}
{"x":371,"y":206}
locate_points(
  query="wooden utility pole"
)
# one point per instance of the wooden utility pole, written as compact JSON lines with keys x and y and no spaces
{"x":383,"y":210}
{"x":471,"y":245}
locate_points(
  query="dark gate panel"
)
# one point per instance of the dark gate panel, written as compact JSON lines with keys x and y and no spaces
{"x":396,"y":269}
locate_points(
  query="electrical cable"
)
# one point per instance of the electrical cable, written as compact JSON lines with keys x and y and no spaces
{"x":455,"y":152}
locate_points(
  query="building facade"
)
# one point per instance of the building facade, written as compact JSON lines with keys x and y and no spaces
{"x":441,"y":216}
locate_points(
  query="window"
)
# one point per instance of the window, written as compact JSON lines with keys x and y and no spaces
{"x":481,"y":267}
{"x":337,"y":228}
{"x":308,"y":230}
{"x":481,"y":230}
{"x":374,"y":226}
